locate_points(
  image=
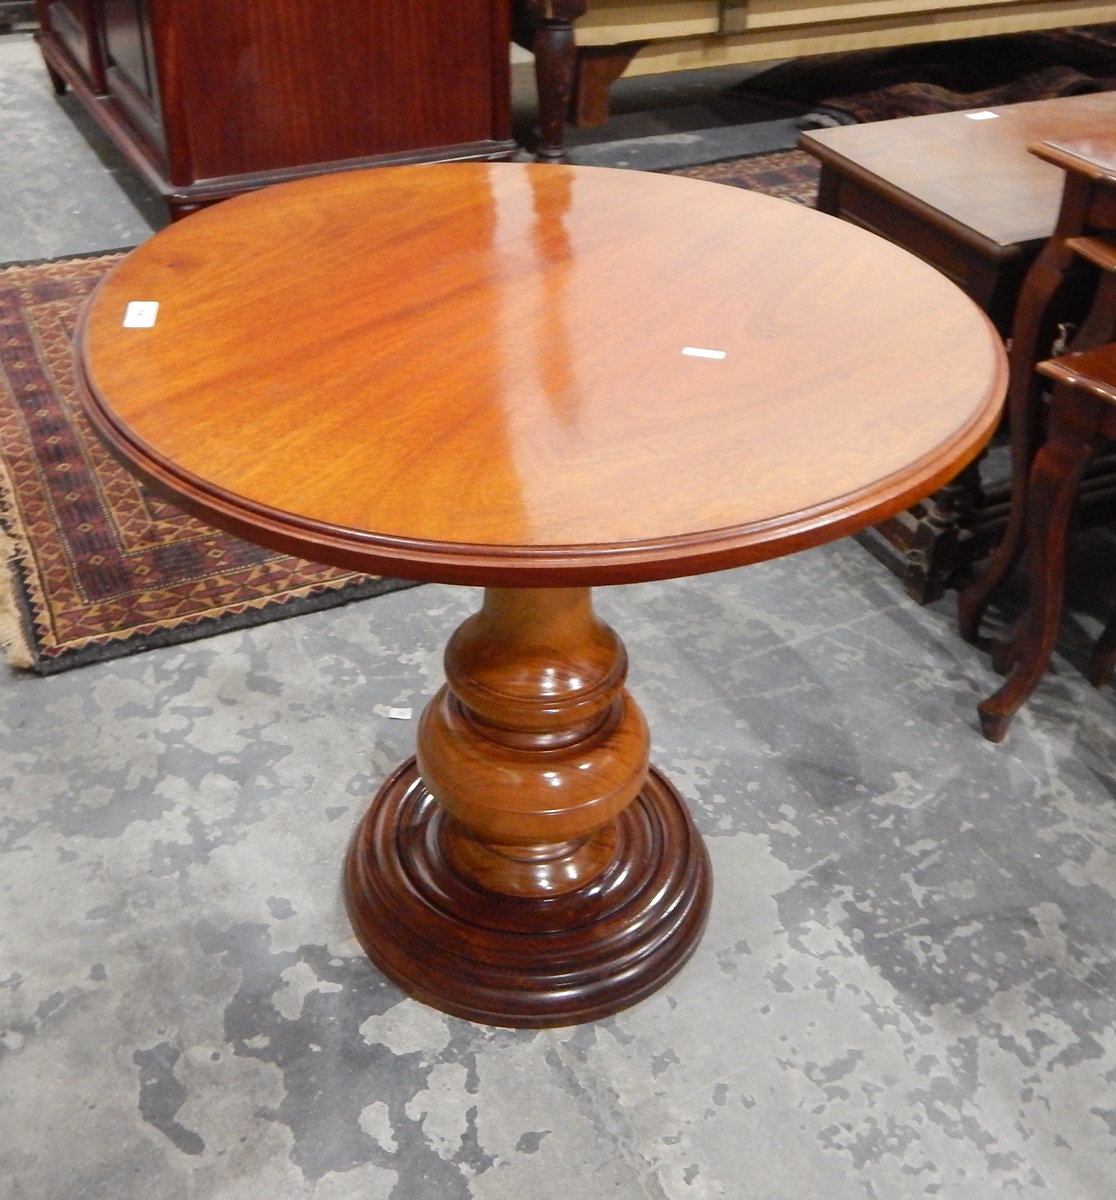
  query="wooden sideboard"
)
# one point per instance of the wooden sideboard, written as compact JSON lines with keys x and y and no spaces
{"x":581,"y":47}
{"x":210,"y":98}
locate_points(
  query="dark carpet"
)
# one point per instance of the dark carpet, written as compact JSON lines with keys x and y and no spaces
{"x":909,"y":81}
{"x":788,"y":174}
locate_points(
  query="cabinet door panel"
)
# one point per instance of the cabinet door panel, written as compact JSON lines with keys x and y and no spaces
{"x":277,"y":82}
{"x":74,"y":23}
{"x":126,"y":24}
{"x":130,"y":75}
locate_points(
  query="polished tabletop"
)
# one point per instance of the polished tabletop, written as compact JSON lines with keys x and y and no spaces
{"x":520,"y":374}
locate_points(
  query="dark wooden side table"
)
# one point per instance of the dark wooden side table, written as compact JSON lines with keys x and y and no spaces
{"x":533,"y":379}
{"x":961,"y":191}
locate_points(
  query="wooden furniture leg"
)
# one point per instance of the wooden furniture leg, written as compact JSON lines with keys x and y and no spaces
{"x":1082,"y":414}
{"x":1099,"y":325}
{"x":1052,"y":280}
{"x":969,"y":198}
{"x":530,"y":868}
{"x":1055,"y":291}
{"x":597,"y":68}
{"x":555,"y":49}
{"x":1055,"y":475}
{"x":1103,"y":659}
{"x":57,"y":80}
{"x":936,"y":547}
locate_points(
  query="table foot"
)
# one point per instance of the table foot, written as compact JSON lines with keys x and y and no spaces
{"x":525,"y":961}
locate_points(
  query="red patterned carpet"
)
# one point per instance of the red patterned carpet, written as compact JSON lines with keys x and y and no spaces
{"x":98,"y":567}
{"x":788,"y":174}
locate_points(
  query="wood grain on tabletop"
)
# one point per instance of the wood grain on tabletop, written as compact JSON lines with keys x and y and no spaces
{"x":475,"y":372}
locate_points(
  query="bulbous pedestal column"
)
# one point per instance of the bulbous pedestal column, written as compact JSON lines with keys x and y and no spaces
{"x":528,"y":867}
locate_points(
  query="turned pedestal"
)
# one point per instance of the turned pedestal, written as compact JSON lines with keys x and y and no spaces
{"x":529,"y":867}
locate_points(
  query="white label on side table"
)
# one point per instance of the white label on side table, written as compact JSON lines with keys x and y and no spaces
{"x":141,"y":314}
{"x":699,"y":352}
{"x":983,"y":116}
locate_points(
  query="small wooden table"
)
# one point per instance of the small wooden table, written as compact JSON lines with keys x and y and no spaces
{"x":533,"y":379}
{"x":960,"y":191}
{"x":968,"y":197}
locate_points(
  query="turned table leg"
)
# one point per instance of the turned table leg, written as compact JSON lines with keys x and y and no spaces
{"x":555,"y":50}
{"x":528,"y":867}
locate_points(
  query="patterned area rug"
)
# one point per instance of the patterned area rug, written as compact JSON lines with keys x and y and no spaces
{"x":788,"y":174}
{"x":98,"y":567}
{"x":911,"y":81}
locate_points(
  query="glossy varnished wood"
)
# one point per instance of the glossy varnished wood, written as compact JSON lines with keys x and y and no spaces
{"x":530,"y":869}
{"x":574,"y":957}
{"x":1057,"y":294}
{"x":475,"y":373}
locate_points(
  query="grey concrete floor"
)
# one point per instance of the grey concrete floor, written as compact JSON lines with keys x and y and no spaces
{"x":906,"y":988}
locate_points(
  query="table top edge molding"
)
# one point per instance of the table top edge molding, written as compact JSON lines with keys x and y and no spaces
{"x":532,"y":565}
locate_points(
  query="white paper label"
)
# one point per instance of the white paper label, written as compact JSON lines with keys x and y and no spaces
{"x":983,"y":116}
{"x":141,"y":314}
{"x":699,"y":352}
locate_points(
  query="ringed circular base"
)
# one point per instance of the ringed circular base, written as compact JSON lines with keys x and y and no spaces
{"x":526,"y":962}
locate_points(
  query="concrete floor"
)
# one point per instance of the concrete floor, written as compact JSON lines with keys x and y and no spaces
{"x":907,"y":988}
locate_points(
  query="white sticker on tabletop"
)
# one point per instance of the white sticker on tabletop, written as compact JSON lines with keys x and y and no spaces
{"x":701,"y":352}
{"x":984,"y":115}
{"x":141,"y":314}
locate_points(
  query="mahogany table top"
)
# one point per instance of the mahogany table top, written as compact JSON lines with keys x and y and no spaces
{"x":483,"y":373}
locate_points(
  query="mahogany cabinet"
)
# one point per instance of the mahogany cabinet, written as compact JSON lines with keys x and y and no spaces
{"x":208,"y":98}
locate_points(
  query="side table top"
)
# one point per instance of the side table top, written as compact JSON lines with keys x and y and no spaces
{"x":1092,"y":154}
{"x":971,"y":168}
{"x":486,"y":373}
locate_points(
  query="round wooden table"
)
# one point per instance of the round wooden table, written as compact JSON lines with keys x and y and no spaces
{"x":533,"y":379}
